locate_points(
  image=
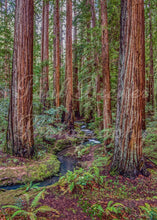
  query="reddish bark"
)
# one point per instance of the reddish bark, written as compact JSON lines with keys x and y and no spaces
{"x":68,"y":74}
{"x":44,"y":80}
{"x":75,"y":72}
{"x":57,"y":54}
{"x":98,"y":83}
{"x":54,"y":55}
{"x":107,"y":116}
{"x":128,"y":159}
{"x":20,"y":123}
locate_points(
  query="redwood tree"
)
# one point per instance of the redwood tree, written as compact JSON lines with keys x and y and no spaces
{"x":69,"y":66}
{"x":75,"y":70}
{"x":128,"y":159}
{"x":96,"y":61}
{"x":151,"y":73}
{"x":57,"y":54}
{"x":54,"y":54}
{"x":44,"y":80}
{"x":107,"y":117}
{"x":20,"y":126}
{"x":6,"y":62}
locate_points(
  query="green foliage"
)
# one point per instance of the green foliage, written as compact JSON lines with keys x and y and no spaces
{"x":33,"y":207}
{"x":149,"y":211}
{"x":6,"y":45}
{"x":94,"y":210}
{"x":150,"y":139}
{"x":30,"y":186}
{"x":4,"y":103}
{"x":82,"y":150}
{"x":81,"y":179}
{"x":101,"y":161}
{"x":39,"y":170}
{"x":43,"y":170}
{"x":49,"y":116}
{"x":115,"y":208}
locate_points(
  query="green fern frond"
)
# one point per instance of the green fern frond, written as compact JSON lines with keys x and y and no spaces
{"x":31,"y":215}
{"x":37,"y":198}
{"x":118,"y":204}
{"x":46,"y":209}
{"x":11,"y":206}
{"x":109,"y":204}
{"x":23,"y":212}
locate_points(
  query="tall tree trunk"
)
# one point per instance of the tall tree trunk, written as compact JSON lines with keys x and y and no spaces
{"x":44,"y":80}
{"x":54,"y":54}
{"x":68,"y":74}
{"x":75,"y":71}
{"x":89,"y":111}
{"x":20,"y":123}
{"x":151,"y":73}
{"x":107,"y":116}
{"x":142,"y":60}
{"x":61,"y":34}
{"x":128,"y":159}
{"x":6,"y":62}
{"x":96,"y":62}
{"x":57,"y":54}
{"x":62,"y":75}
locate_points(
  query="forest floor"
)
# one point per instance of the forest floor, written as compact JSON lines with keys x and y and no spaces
{"x":91,"y":191}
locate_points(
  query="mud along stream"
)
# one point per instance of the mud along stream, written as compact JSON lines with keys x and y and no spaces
{"x":66,"y":163}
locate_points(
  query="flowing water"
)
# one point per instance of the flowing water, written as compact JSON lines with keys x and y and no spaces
{"x":66,"y":163}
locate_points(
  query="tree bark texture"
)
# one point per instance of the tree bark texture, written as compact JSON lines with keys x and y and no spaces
{"x":98,"y":83}
{"x":20,"y":123}
{"x":89,"y":111}
{"x":62,"y":75}
{"x":54,"y":54}
{"x":75,"y":72}
{"x":107,"y":116}
{"x":57,"y":86}
{"x":151,"y":73}
{"x":128,"y":159}
{"x":7,"y":58}
{"x":69,"y":66}
{"x":44,"y":80}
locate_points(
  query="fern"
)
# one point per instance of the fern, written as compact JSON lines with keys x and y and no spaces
{"x":32,"y":209}
{"x":151,"y":212}
{"x":37,"y":198}
{"x":46,"y":209}
{"x":113,"y":208}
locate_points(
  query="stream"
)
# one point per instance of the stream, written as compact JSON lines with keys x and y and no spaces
{"x":66,"y":163}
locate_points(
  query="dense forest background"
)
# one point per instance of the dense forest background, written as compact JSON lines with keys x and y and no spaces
{"x":80,"y":78}
{"x":88,"y":43}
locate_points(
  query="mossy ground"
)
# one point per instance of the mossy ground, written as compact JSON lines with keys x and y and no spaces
{"x":88,"y":196}
{"x":15,"y":170}
{"x":28,"y":170}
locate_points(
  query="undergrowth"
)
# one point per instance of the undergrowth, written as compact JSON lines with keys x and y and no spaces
{"x":30,"y":208}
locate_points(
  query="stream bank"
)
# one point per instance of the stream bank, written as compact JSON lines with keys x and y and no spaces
{"x":65,"y":162}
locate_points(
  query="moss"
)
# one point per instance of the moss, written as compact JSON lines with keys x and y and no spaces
{"x":69,"y":142}
{"x":16,"y":197}
{"x":10,"y":196}
{"x":49,"y":140}
{"x":34,"y":171}
{"x":44,"y":170}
